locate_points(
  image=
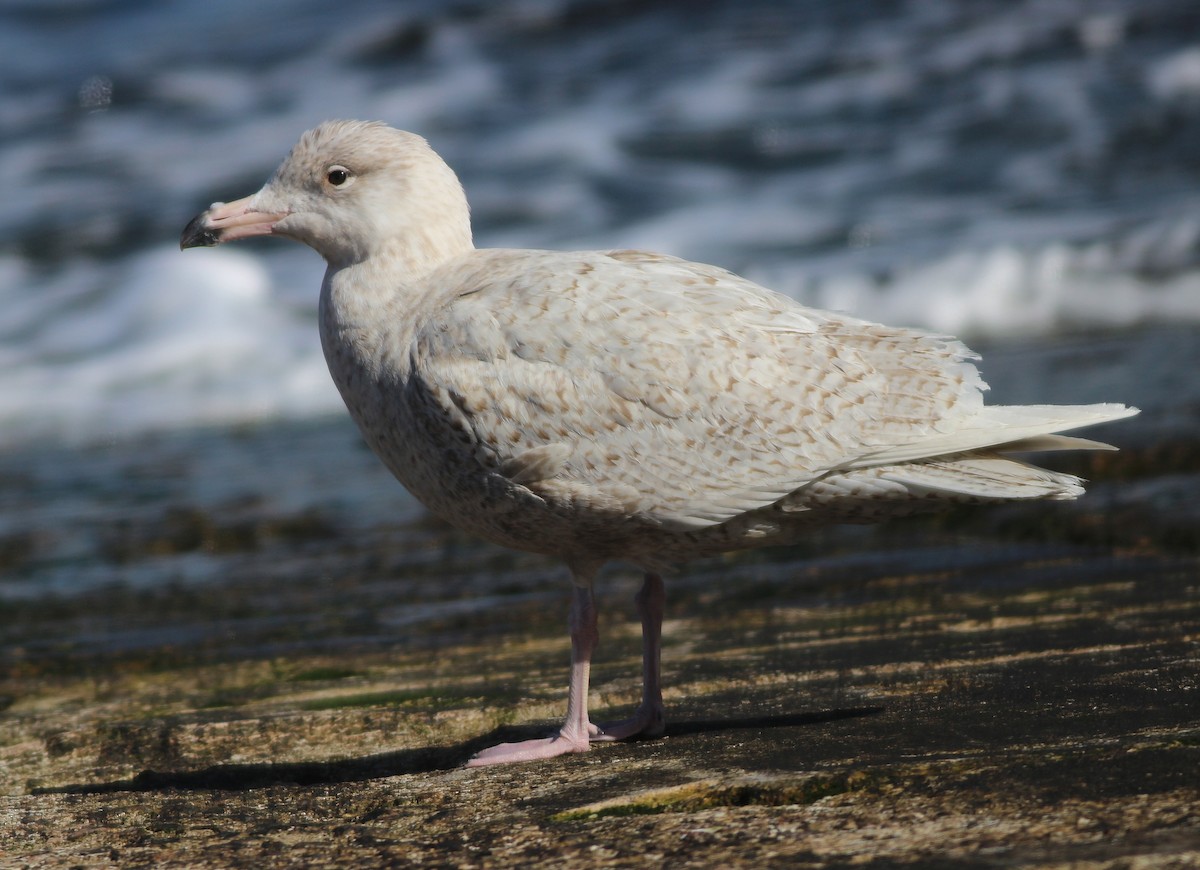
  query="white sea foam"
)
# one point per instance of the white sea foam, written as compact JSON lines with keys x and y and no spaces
{"x":1177,"y":76}
{"x":1007,"y":292}
{"x":162,"y":341}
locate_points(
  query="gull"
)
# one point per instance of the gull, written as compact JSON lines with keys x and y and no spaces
{"x":620,"y":405}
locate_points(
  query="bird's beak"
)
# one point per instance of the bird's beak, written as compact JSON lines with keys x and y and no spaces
{"x":228,"y":221}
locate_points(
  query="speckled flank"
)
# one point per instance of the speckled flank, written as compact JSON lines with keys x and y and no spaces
{"x":626,"y":405}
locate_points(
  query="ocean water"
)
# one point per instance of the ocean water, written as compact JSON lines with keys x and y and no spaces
{"x":1023,"y":174}
{"x":997,"y":170}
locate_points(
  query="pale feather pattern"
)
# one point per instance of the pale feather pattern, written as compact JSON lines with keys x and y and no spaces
{"x":623,"y":404}
{"x":674,"y":396}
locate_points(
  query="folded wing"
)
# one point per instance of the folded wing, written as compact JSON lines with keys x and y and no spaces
{"x":686,"y":395}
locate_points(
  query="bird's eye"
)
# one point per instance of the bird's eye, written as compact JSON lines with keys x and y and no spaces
{"x":337,"y":176}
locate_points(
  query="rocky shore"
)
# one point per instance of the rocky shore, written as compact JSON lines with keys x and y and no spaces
{"x":1013,"y":687}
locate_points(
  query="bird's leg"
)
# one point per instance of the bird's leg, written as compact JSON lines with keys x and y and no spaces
{"x":649,"y":718}
{"x":573,"y":736}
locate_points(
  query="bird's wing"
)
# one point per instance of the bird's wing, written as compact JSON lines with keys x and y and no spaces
{"x":673,"y":390}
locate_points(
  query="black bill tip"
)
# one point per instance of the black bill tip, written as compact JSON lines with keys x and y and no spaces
{"x":197,"y":234}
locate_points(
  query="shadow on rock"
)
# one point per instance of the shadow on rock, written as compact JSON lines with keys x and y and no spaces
{"x":244,"y":777}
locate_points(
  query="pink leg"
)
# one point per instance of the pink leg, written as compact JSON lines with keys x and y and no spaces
{"x":649,"y":718}
{"x":573,"y":736}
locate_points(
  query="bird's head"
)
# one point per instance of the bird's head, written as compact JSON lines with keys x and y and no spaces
{"x":350,"y":190}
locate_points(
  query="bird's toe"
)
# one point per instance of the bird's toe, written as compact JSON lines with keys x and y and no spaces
{"x":646,"y":722}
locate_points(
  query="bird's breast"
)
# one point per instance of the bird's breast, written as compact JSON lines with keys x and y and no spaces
{"x":428,"y":444}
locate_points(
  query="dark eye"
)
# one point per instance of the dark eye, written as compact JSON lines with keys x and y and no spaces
{"x":338,"y":176}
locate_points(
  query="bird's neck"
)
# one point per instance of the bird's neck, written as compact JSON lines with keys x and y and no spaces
{"x":412,"y":256}
{"x":375,"y":303}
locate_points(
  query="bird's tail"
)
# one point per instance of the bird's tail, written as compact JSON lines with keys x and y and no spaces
{"x":981,"y":477}
{"x":1008,"y":429}
{"x":968,"y":465}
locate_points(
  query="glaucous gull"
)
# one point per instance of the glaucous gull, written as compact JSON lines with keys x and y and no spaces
{"x":619,"y":405}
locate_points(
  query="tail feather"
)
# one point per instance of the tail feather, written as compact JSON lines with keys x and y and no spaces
{"x":1047,"y":443}
{"x":984,"y":477}
{"x":871,"y":494}
{"x":967,"y":465}
{"x":1007,"y":428}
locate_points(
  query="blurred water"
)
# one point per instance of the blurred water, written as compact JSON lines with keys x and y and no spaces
{"x":993,"y":169}
{"x":1022,"y":173}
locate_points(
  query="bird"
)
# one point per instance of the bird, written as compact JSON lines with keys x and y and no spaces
{"x":623,"y":405}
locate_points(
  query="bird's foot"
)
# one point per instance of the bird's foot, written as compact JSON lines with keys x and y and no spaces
{"x":529,"y":750}
{"x":648,"y":720}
